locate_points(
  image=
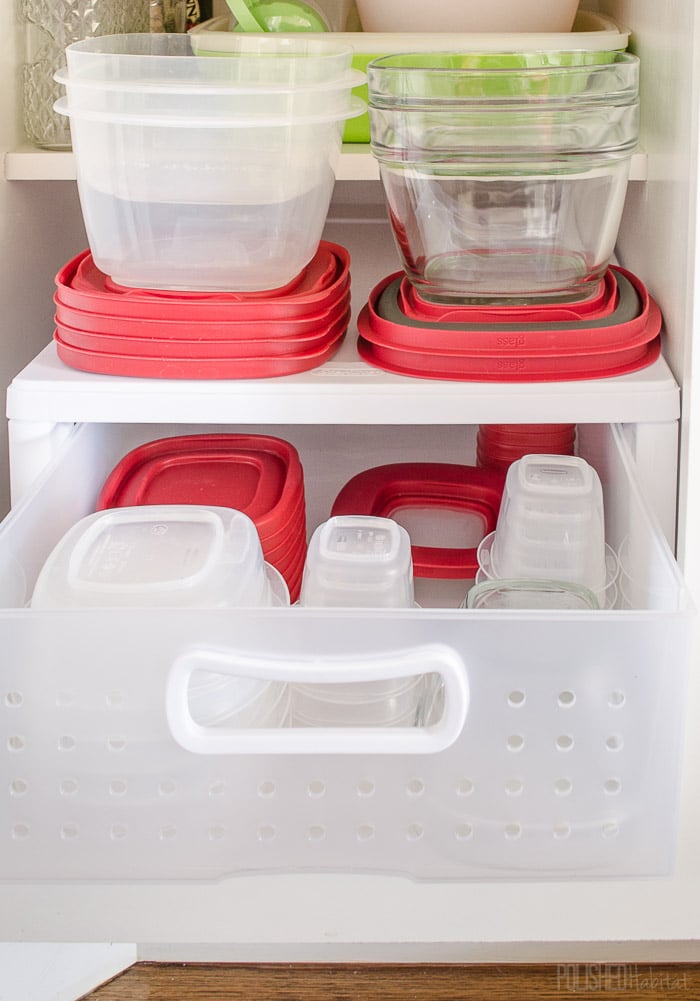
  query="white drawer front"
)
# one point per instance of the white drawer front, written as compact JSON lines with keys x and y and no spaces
{"x":558,"y":754}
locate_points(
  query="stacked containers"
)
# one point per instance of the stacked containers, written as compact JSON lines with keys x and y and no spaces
{"x":504,"y":174}
{"x":177,"y":556}
{"x":206,"y":173}
{"x":360,"y":561}
{"x":498,"y":445}
{"x":258,"y":475}
{"x":551,"y":528}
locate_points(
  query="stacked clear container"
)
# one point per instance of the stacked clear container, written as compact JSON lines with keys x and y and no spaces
{"x":504,"y":174}
{"x":201,"y":173}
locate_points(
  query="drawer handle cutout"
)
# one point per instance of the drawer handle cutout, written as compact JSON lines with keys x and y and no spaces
{"x":430,"y":659}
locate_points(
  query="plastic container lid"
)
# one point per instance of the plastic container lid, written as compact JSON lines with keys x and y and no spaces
{"x":163,"y":555}
{"x":190,"y":332}
{"x":636,"y":319}
{"x":266,"y":344}
{"x":435,"y":487}
{"x":503,"y":368}
{"x":82,"y":286}
{"x":500,"y":446}
{"x":259,"y":475}
{"x":136,"y":366}
{"x":600,"y":302}
{"x":507,"y":434}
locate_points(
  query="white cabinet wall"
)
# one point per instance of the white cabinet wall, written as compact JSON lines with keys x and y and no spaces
{"x":359,"y":916}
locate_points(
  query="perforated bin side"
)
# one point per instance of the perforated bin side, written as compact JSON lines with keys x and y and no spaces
{"x":566,"y":765}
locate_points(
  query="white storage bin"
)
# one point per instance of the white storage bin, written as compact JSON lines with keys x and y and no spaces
{"x":557,"y":754}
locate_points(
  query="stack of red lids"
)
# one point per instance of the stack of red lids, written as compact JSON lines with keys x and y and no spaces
{"x":431,"y":488}
{"x":498,"y":445}
{"x":259,"y":475}
{"x":615,"y":331}
{"x":111,"y":329}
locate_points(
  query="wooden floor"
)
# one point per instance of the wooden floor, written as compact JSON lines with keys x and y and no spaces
{"x":193,"y":982}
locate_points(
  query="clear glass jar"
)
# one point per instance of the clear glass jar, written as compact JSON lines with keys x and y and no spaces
{"x":50,"y":26}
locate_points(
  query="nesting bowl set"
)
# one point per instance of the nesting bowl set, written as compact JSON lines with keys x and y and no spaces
{"x":204,"y":185}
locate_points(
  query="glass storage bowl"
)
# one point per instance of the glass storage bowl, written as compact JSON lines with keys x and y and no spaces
{"x":504,"y":182}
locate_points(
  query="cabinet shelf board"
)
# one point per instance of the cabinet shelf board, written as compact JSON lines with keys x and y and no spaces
{"x":345,"y":390}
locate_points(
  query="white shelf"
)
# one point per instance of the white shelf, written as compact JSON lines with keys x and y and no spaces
{"x":28,"y":163}
{"x":345,"y":390}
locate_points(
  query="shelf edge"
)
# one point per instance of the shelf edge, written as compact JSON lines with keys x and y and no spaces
{"x":28,"y":163}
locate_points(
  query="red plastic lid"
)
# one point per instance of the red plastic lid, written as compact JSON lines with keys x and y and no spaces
{"x":504,"y":458}
{"x":600,"y":302}
{"x":524,"y":432}
{"x":293,"y":573}
{"x":537,"y":441}
{"x":259,"y":475}
{"x":189,"y":332}
{"x":135,"y":366}
{"x":495,"y":368}
{"x":81,"y":285}
{"x":266,"y":344}
{"x":384,"y":490}
{"x":283,"y":541}
{"x":635,"y":319}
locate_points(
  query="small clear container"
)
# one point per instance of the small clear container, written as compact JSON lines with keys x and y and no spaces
{"x":551,"y":522}
{"x":358,"y":561}
{"x":159,"y":556}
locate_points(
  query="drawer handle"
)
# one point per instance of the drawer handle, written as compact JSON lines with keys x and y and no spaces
{"x":436,"y":659}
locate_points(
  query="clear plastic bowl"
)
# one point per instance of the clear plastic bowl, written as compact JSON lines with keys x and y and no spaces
{"x":245,"y":101}
{"x":358,"y":561}
{"x":551,"y":523}
{"x":160,"y":556}
{"x":210,"y":204}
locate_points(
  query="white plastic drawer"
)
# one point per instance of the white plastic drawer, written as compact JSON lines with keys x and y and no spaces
{"x":558,"y":755}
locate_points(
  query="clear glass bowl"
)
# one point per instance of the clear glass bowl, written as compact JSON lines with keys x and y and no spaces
{"x":503,"y":179}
